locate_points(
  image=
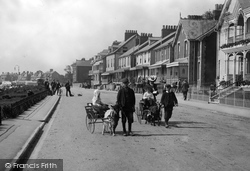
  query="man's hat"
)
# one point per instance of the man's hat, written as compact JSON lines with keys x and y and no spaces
{"x":152,"y":78}
{"x":125,"y":80}
{"x":168,"y":86}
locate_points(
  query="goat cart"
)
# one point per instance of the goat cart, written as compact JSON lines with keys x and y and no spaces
{"x":93,"y":117}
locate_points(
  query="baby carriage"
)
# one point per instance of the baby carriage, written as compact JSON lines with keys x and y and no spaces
{"x":150,"y":113}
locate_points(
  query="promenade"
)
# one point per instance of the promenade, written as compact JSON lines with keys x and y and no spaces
{"x":17,"y":135}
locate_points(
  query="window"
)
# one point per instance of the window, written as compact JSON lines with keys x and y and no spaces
{"x":178,"y":50}
{"x":183,"y":71}
{"x":185,"y":48}
{"x":248,"y":25}
{"x":248,"y":63}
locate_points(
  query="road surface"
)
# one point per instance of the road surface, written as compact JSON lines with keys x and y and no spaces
{"x":197,"y":140}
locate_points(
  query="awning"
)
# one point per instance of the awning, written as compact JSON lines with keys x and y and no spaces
{"x":133,"y":69}
{"x":97,"y":63}
{"x":174,"y":64}
{"x":139,"y":67}
{"x":157,"y":65}
{"x":107,"y":73}
{"x":119,"y":70}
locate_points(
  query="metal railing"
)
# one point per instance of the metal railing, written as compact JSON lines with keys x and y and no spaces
{"x":13,"y":109}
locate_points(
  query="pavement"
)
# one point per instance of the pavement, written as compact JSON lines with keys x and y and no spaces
{"x":19,"y":134}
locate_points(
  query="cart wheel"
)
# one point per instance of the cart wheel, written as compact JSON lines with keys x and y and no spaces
{"x":139,"y":116}
{"x":90,"y":123}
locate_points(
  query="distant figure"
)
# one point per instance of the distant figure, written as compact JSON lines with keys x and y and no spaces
{"x":67,"y":86}
{"x":184,"y":89}
{"x":58,"y":88}
{"x":46,"y":85}
{"x":178,"y":89}
{"x":53,"y":87}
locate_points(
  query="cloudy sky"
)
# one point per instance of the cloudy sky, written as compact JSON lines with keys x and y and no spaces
{"x":50,"y":34}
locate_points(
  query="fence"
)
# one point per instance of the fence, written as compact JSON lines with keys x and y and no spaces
{"x":202,"y":93}
{"x":239,"y":98}
{"x":13,"y":109}
{"x":234,"y":97}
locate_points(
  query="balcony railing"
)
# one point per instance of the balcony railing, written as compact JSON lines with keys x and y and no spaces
{"x":239,"y":37}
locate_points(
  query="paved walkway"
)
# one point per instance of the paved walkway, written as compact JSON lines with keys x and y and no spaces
{"x":17,"y":135}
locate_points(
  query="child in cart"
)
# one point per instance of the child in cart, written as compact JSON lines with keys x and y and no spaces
{"x":148,"y":98}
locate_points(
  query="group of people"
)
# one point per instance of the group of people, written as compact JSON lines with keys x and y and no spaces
{"x":126,"y":101}
{"x":54,"y":87}
{"x":168,"y":99}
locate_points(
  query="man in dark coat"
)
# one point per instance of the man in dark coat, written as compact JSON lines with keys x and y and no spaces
{"x":169,"y":100}
{"x":184,"y":89}
{"x":46,"y":84}
{"x":67,"y":86}
{"x":126,"y":101}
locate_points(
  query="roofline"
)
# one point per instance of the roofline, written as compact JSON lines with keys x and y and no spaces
{"x":135,"y":35}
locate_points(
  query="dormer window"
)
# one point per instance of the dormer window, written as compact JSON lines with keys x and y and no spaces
{"x":125,"y":49}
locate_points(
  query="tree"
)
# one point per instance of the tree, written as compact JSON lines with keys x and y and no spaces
{"x":69,"y":73}
{"x":208,"y":15}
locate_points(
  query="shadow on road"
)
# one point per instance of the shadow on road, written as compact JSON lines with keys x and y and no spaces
{"x":177,"y":124}
{"x":148,"y":135}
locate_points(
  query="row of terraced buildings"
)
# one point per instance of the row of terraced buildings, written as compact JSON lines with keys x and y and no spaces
{"x":203,"y":51}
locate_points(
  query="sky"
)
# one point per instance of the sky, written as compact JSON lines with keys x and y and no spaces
{"x":50,"y":34}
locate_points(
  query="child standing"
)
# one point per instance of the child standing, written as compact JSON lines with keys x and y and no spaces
{"x":169,"y":100}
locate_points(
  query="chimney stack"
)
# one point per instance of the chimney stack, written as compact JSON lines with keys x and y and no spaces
{"x":143,"y":37}
{"x":129,"y":33}
{"x":166,"y":30}
{"x":217,"y":11}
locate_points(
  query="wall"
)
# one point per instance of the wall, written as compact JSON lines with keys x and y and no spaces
{"x":82,"y":73}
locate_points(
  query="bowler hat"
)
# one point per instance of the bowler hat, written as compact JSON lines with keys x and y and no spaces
{"x":125,"y":80}
{"x":168,"y":86}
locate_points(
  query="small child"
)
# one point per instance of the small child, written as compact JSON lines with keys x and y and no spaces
{"x":169,"y":100}
{"x":148,"y":97}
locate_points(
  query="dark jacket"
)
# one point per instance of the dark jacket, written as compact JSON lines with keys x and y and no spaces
{"x":185,"y":86}
{"x":67,"y":86}
{"x":168,"y":99}
{"x":126,"y":99}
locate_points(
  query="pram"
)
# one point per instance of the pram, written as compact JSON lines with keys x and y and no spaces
{"x":150,"y":113}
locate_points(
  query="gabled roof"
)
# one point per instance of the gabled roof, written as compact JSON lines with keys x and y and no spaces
{"x":244,"y":4}
{"x":194,"y":28}
{"x":238,"y":4}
